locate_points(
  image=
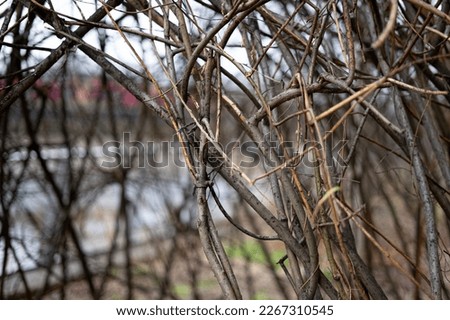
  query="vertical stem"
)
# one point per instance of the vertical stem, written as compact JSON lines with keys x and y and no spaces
{"x":208,"y":234}
{"x":425,"y":197}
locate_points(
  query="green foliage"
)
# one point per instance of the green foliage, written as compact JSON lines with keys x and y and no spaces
{"x":260,"y":296}
{"x":183,"y":290}
{"x":253,"y":251}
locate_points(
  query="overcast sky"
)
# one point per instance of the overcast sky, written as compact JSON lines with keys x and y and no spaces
{"x":42,"y":36}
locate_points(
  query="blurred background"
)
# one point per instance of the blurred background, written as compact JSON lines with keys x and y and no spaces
{"x":329,"y":121}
